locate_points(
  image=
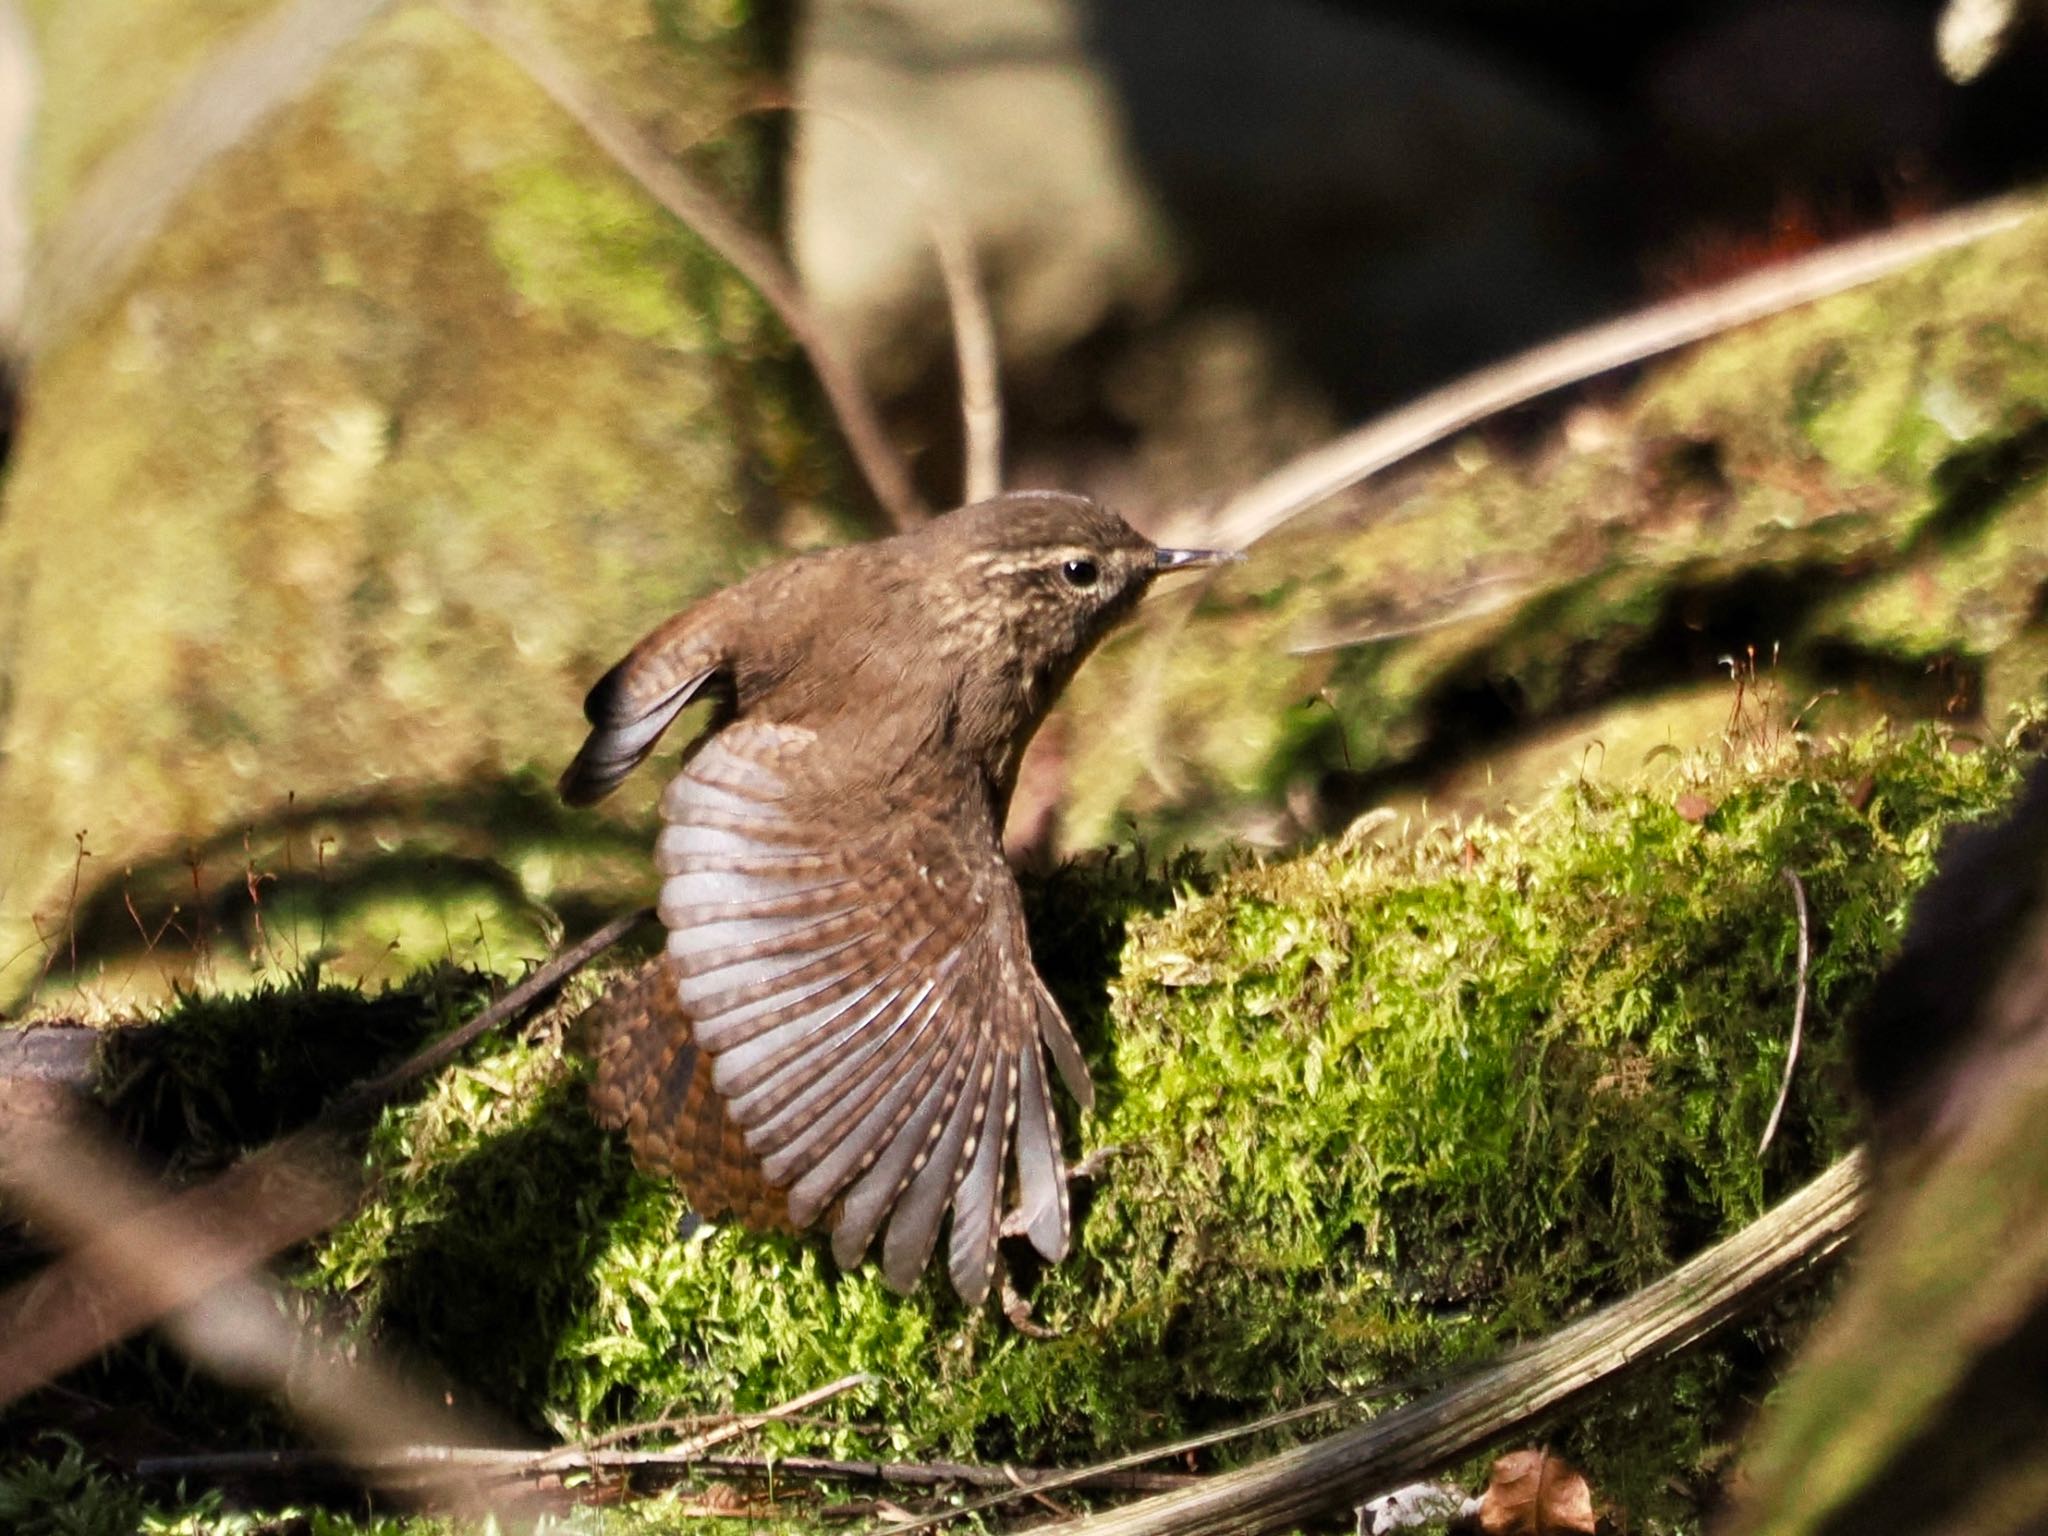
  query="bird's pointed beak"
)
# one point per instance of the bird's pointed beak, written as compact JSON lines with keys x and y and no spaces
{"x":1194,"y":559}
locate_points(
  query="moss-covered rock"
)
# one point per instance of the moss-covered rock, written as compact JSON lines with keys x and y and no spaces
{"x":1382,"y":1109}
{"x":417,"y":413}
{"x":1855,"y":487}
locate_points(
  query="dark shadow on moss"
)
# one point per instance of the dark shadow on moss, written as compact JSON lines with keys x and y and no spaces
{"x":214,"y":1078}
{"x":217,"y":1076}
{"x":1077,"y":913}
{"x":487,"y":1285}
{"x":1536,"y":674}
{"x":1973,"y":482}
{"x":432,"y":846}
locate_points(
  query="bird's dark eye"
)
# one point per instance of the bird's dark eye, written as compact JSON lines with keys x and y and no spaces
{"x":1081,"y":573}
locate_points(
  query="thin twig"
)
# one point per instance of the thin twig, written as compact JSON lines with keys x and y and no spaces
{"x":726,"y":1427}
{"x":119,"y":210}
{"x":1087,"y":1477}
{"x":432,"y":1459}
{"x":1388,"y":439}
{"x":976,"y":355}
{"x":740,"y":247}
{"x":375,"y":1092}
{"x":1791,"y":878}
{"x":1479,"y":599}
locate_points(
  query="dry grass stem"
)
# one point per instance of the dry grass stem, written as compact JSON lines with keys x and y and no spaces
{"x":976,"y":353}
{"x":1337,"y":465}
{"x":421,"y":1461}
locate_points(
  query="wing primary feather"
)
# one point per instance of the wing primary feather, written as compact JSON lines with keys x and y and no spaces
{"x":1066,"y":1050}
{"x":914,"y":1228}
{"x":849,"y":1120}
{"x":745,"y":1067}
{"x":793,"y":1123}
{"x":878,"y":1185}
{"x":623,"y":730}
{"x":1041,"y":1175}
{"x":904,"y":1115}
{"x":820,"y":1074}
{"x":977,"y":1203}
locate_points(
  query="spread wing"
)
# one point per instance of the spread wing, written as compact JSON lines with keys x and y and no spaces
{"x":860,"y":990}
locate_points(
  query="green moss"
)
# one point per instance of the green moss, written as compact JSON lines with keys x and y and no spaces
{"x":1854,"y":484}
{"x":1383,"y":1110}
{"x":591,"y":252}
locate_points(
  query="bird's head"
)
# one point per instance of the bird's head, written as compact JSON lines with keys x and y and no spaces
{"x":1027,"y":583}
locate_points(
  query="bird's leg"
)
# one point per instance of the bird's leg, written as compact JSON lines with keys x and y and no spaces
{"x":1090,"y":1167}
{"x":1016,"y":1306}
{"x":1017,"y":1311}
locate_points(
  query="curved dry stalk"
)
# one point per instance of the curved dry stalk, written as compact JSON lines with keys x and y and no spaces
{"x":1791,"y":878}
{"x":124,"y":204}
{"x":1529,"y":1387}
{"x":740,"y":247}
{"x":1386,"y":440}
{"x":17,"y":122}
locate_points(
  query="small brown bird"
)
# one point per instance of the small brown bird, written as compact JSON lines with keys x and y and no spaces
{"x":846,"y":1025}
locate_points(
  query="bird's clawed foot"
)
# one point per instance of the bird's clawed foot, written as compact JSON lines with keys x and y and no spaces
{"x":1017,"y":1312}
{"x":1091,"y":1166}
{"x":1016,"y":1307}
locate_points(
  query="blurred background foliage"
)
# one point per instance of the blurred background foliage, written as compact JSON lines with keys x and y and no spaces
{"x":322,"y":511}
{"x":413,"y":408}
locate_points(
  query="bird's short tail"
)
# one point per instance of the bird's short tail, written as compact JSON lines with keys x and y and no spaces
{"x":654,"y":1085}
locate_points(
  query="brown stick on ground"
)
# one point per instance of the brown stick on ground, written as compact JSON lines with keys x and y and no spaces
{"x":278,"y":1196}
{"x":1532,"y":1385}
{"x":420,"y":1460}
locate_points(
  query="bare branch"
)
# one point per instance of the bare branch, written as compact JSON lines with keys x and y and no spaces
{"x":729,"y":1426}
{"x":976,"y":354}
{"x":747,"y":252}
{"x":1791,"y":878}
{"x":1296,"y":486}
{"x":434,"y":1459}
{"x":1529,"y":1387}
{"x":1085,"y":1477}
{"x":125,"y":203}
{"x":376,"y":1092}
{"x":149,"y":1259}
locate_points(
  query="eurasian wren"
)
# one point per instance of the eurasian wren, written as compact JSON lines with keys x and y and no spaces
{"x":846,"y":1025}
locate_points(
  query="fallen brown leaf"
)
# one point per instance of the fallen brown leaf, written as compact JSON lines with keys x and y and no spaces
{"x":1533,"y":1493}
